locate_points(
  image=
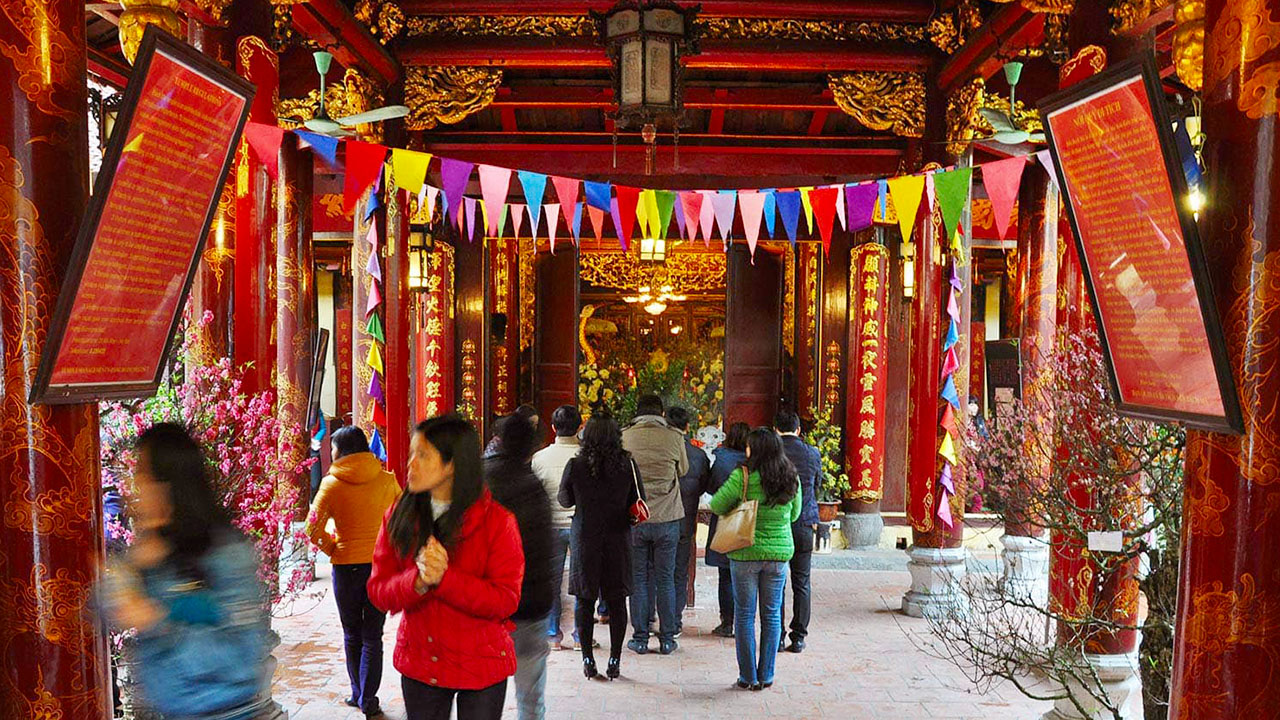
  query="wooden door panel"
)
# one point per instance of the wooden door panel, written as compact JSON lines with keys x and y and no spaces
{"x":555,"y":343}
{"x":753,"y":337}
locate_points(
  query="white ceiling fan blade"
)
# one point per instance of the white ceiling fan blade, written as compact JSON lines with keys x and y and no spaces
{"x":1000,"y":122}
{"x":390,"y":112}
{"x":322,"y":125}
{"x":1036,"y":138}
{"x":1010,"y":137}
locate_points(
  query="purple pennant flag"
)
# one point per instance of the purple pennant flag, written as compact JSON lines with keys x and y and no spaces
{"x":955,"y":281}
{"x":861,"y":201}
{"x":471,"y":218}
{"x":946,"y":480}
{"x":455,"y":174}
{"x":375,"y":388}
{"x":1046,"y":159}
{"x":680,"y":219}
{"x":577,"y":223}
{"x":617,"y":223}
{"x":373,"y":268}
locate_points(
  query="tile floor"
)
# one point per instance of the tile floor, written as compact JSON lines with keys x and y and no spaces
{"x":860,"y":663}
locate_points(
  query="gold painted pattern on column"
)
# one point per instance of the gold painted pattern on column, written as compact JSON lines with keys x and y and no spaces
{"x":43,"y":64}
{"x":1220,"y":618}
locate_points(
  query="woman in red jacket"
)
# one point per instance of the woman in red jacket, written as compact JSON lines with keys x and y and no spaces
{"x":449,"y":557}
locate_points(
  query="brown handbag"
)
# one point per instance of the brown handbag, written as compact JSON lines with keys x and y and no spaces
{"x":736,"y":529}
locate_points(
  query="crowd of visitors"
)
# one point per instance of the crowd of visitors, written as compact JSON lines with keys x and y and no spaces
{"x":473,"y":552}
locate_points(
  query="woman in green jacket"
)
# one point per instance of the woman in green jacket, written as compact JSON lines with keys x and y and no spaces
{"x":760,"y":570}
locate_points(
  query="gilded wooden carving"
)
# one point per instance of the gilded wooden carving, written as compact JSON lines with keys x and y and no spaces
{"x":893,"y":101}
{"x":1127,"y":15}
{"x":447,"y":94}
{"x":1188,"y":42}
{"x":356,"y":94}
{"x":963,"y":119}
{"x":726,"y":28}
{"x":138,"y":14}
{"x":689,"y":273}
{"x":384,"y":20}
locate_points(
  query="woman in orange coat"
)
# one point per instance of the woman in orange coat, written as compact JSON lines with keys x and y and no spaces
{"x":355,"y":495}
{"x":449,"y":557}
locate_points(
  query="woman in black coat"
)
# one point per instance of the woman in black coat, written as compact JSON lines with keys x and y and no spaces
{"x":601,"y":482}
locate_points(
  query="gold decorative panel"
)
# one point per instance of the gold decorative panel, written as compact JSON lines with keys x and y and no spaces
{"x":893,"y":101}
{"x":725,"y":28}
{"x":689,"y":273}
{"x":447,"y":94}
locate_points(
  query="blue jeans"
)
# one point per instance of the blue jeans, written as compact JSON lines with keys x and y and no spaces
{"x":683,"y":548}
{"x":559,"y":549}
{"x":762,"y":581}
{"x":654,"y":543}
{"x":361,"y":631}
{"x":530,"y":639}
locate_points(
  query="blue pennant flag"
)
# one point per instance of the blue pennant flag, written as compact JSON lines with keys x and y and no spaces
{"x":952,"y":336}
{"x":326,"y":147}
{"x":535,"y":185}
{"x":770,"y":210}
{"x":598,"y":194}
{"x":577,"y":223}
{"x":949,"y":392}
{"x":789,"y":209}
{"x":376,"y":447}
{"x":374,"y":203}
{"x":881,"y":197}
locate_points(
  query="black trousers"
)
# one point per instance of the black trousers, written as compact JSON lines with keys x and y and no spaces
{"x":427,"y":702}
{"x":801,"y":593}
{"x":725,"y":592}
{"x":586,"y":623}
{"x":361,"y":631}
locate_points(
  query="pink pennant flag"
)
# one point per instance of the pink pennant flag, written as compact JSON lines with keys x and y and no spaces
{"x":433,"y":195}
{"x":840,"y":206}
{"x":422,"y":202}
{"x":265,"y":142}
{"x":517,"y":217}
{"x":944,"y":509}
{"x":597,"y":221}
{"x":495,"y":183}
{"x":1046,"y":159}
{"x":952,"y":308}
{"x":707,"y":217}
{"x":470,"y":207}
{"x":950,"y":363}
{"x":723,"y":203}
{"x":375,"y":299}
{"x":751,"y":203}
{"x":552,"y":213}
{"x":930,"y":193}
{"x":1001,"y":179}
{"x":567,"y":191}
{"x":691,"y":202}
{"x":371,"y":237}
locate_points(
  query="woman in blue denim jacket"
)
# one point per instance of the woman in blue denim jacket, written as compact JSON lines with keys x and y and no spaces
{"x":189,"y":586}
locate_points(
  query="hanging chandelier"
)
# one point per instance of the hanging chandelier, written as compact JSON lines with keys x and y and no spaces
{"x":654,"y":303}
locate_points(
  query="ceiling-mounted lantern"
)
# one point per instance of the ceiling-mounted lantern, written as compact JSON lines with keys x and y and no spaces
{"x":646,"y":40}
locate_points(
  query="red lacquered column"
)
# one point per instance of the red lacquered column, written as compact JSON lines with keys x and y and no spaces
{"x":1227,"y":648}
{"x":294,"y":305}
{"x":864,"y":422}
{"x":53,"y":656}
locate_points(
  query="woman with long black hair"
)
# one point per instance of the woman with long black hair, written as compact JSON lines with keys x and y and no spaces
{"x":449,"y":557}
{"x":189,"y":586}
{"x":760,"y":570}
{"x":602,"y":482}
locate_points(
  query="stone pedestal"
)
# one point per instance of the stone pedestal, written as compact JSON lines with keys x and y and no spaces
{"x":1119,"y":675}
{"x":862,"y":530}
{"x":1026,"y":567}
{"x":933,"y":574}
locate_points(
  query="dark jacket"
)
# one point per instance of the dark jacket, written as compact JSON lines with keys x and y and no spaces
{"x":692,"y":485}
{"x":727,"y":460}
{"x":808,"y":464}
{"x":600,"y":540}
{"x":516,"y":488}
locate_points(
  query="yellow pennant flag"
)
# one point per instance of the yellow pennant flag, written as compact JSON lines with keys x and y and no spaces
{"x":651,"y":213}
{"x":808,"y":207}
{"x":375,"y":358}
{"x":948,"y":449}
{"x":409,"y":168}
{"x":906,"y":192}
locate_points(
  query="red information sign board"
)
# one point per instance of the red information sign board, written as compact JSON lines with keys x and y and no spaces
{"x":1116,"y":164}
{"x":145,"y":228}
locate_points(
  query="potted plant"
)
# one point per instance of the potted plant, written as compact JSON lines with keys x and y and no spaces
{"x":826,"y":436}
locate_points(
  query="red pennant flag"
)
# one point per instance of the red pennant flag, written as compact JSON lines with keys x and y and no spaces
{"x":627,"y":199}
{"x":597,"y":221}
{"x":1002,"y":178}
{"x":692,"y":204}
{"x":949,"y":420}
{"x":379,"y":415}
{"x":824,"y":212}
{"x":567,"y":191}
{"x":364,"y":162}
{"x":265,"y":141}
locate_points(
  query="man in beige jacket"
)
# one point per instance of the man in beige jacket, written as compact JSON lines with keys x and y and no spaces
{"x":659,"y":451}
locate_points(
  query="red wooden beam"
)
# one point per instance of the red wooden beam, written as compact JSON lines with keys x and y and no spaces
{"x":906,"y":11}
{"x":108,"y":68}
{"x":779,"y":55}
{"x":529,"y":94}
{"x":705,"y":164}
{"x":1009,"y":29}
{"x":817,"y":122}
{"x":333,"y":27}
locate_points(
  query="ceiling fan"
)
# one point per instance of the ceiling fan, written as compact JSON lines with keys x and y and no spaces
{"x":1007,"y":130}
{"x":337,"y":127}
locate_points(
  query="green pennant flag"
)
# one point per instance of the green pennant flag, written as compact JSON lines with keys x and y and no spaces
{"x":666,"y":204}
{"x":953,"y":191}
{"x":374,"y":328}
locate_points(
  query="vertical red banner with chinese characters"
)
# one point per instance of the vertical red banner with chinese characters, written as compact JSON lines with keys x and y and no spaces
{"x":865,"y":404}
{"x":978,"y":364}
{"x":434,"y":382}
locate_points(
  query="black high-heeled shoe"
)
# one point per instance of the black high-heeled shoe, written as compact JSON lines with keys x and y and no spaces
{"x":614,"y":669}
{"x":589,"y":668}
